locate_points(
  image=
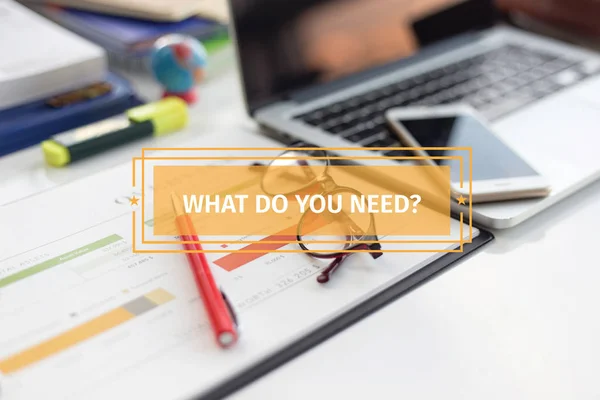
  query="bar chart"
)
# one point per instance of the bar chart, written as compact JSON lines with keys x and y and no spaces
{"x":59,"y":260}
{"x":254,"y":251}
{"x":86,"y":330}
{"x":238,"y":259}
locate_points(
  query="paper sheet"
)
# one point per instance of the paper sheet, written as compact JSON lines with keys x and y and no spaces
{"x":81,"y":316}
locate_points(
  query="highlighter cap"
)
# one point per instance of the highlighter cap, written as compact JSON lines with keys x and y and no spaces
{"x":55,"y":154}
{"x":167,"y":115}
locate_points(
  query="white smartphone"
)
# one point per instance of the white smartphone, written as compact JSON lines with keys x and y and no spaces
{"x":498,"y":172}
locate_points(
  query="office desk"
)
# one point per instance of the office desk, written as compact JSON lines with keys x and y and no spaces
{"x":518,"y":320}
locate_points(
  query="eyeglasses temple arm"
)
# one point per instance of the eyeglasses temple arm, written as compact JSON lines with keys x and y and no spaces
{"x":326,"y":273}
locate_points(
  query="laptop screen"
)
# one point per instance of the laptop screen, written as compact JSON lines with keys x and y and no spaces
{"x":289,"y":45}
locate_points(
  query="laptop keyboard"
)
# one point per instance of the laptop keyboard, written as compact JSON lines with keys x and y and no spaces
{"x":495,"y":83}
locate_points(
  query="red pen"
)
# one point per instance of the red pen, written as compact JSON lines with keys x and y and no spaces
{"x":220,"y":313}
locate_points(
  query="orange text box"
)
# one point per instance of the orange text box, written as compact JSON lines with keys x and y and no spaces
{"x":335,"y":201}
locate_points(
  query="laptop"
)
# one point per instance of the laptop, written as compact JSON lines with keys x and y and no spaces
{"x":323,"y":72}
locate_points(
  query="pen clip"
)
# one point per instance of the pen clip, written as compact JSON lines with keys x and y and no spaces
{"x":230,"y":308}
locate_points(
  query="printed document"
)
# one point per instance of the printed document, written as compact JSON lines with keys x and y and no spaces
{"x":83,"y":317}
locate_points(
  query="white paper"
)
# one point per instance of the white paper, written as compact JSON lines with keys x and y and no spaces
{"x":167,"y":352}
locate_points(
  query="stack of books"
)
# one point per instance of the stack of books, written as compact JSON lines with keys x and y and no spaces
{"x":65,"y":81}
{"x":51,"y":80}
{"x":128,"y":33}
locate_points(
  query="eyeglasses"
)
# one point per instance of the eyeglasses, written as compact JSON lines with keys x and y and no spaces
{"x":350,"y":231}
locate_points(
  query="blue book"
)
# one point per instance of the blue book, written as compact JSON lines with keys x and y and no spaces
{"x":124,"y":34}
{"x":29,"y":124}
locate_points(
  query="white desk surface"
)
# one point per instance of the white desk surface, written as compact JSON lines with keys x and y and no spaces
{"x":519,"y":320}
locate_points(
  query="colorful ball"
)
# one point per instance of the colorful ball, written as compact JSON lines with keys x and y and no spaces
{"x":178,"y":62}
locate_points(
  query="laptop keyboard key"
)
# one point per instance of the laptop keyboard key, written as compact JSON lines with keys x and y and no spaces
{"x":476,"y":101}
{"x":383,"y":141}
{"x":384,"y":105}
{"x":359,"y":137}
{"x":567,"y":78}
{"x":590,"y":67}
{"x":558,"y":64}
{"x":502,"y":88}
{"x":329,"y":124}
{"x":360,"y":132}
{"x":340,"y":128}
{"x":312,"y":118}
{"x":516,"y":81}
{"x":504,"y":106}
{"x":398,"y":153}
{"x":543,"y":88}
{"x":531,"y":76}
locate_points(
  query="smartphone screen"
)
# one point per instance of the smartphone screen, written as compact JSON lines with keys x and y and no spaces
{"x":492,"y":159}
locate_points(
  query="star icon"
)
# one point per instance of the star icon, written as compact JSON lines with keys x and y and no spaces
{"x":133,"y":201}
{"x":462,"y":200}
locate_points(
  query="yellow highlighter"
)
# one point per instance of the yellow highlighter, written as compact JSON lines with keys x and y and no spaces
{"x":154,"y":119}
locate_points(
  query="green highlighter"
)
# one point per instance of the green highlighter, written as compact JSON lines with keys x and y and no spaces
{"x":154,"y":119}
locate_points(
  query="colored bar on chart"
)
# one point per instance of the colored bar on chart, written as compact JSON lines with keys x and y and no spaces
{"x":240,"y":258}
{"x":235,"y":260}
{"x":63,"y":258}
{"x":87,"y":330}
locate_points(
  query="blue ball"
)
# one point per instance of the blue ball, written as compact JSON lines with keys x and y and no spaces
{"x":178,"y":62}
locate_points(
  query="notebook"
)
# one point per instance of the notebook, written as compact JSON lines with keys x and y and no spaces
{"x":43,"y":58}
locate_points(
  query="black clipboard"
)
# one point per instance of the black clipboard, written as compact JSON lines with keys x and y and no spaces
{"x":349,"y":318}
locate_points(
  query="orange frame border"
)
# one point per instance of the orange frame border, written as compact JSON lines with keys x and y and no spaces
{"x":460,"y":158}
{"x":283,"y":149}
